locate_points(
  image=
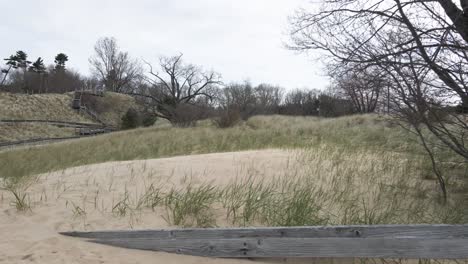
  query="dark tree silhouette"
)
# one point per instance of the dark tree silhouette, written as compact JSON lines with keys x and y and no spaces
{"x":39,"y":68}
{"x":18,"y":60}
{"x":60,"y":61}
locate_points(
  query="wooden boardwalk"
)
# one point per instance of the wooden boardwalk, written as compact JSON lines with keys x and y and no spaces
{"x":379,"y":241}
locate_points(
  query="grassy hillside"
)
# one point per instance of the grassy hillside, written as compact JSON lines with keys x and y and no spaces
{"x":110,"y":108}
{"x":351,"y":170}
{"x":22,"y":131}
{"x":39,"y":106}
{"x":56,"y":107}
{"x":356,"y":132}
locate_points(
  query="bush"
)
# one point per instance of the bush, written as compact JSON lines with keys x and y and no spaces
{"x":186,"y":115}
{"x":331,"y":106}
{"x":227,"y":118}
{"x":131,"y":119}
{"x":148,"y":119}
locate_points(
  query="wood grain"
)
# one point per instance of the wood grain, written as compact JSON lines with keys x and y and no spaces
{"x":426,"y":231}
{"x":379,"y":241}
{"x":303,"y":247}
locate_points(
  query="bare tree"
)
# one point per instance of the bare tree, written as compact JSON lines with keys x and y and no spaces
{"x":301,"y":102}
{"x":269,"y":98}
{"x":173,"y":92}
{"x":63,"y":81}
{"x":421,"y":45}
{"x":240,"y":98}
{"x":115,"y":69}
{"x":363,"y":87}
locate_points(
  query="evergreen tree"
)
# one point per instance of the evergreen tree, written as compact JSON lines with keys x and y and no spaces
{"x":38,"y":66}
{"x":18,"y":60}
{"x":60,"y":61}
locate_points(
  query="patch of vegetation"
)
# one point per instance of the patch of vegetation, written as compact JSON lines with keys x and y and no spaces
{"x":191,"y":205}
{"x":19,"y":191}
{"x":131,"y":119}
{"x":57,"y":107}
{"x":123,"y":206}
{"x":261,"y":132}
{"x":23,"y":131}
{"x":330,"y":186}
{"x":39,"y":107}
{"x":110,"y":108}
{"x":326,"y":185}
{"x":152,"y":198}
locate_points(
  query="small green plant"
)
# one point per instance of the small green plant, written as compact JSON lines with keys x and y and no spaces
{"x":152,"y":198}
{"x":299,"y":206}
{"x":21,"y":200}
{"x":77,"y":210}
{"x":191,"y":205}
{"x":256,"y":197}
{"x":122,"y":207}
{"x":232,"y":199}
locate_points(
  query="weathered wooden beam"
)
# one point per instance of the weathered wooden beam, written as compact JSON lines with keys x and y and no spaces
{"x":379,"y":241}
{"x":411,"y":248}
{"x":376,"y":231}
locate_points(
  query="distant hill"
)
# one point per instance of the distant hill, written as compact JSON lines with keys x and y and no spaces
{"x":111,"y":107}
{"x":39,"y":107}
{"x":56,"y":107}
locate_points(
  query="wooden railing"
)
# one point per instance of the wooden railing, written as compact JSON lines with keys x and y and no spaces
{"x":379,"y":241}
{"x":50,"y":122}
{"x":34,"y":141}
{"x":81,"y":130}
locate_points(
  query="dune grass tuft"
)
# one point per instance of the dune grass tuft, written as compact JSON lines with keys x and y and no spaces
{"x":191,"y":205}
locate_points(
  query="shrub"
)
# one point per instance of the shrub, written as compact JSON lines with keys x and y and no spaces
{"x":227,"y":118}
{"x":131,"y":119}
{"x":186,"y":115}
{"x":148,"y":119}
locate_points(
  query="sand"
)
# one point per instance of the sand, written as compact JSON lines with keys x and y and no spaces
{"x":81,"y":198}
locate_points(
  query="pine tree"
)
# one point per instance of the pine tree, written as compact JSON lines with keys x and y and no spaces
{"x":60,"y":61}
{"x":19,"y":60}
{"x":38,"y":66}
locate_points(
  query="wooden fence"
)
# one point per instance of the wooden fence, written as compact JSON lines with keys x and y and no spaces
{"x":34,"y":141}
{"x":51,"y":122}
{"x":379,"y":241}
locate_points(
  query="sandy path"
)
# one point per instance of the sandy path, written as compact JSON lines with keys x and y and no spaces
{"x":80,"y":199}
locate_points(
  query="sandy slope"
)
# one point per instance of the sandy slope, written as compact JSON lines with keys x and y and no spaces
{"x":81,"y":199}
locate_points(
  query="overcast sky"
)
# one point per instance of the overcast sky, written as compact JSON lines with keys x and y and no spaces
{"x":242,"y":40}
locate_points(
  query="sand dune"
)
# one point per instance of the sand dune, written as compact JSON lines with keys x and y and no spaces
{"x":81,"y":199}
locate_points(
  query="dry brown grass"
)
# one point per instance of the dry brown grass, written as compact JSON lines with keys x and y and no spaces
{"x":21,"y":131}
{"x":56,"y":107}
{"x":110,"y":108}
{"x":39,"y":106}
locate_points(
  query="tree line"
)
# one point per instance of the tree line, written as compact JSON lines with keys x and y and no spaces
{"x":21,"y":75}
{"x":183,"y":92}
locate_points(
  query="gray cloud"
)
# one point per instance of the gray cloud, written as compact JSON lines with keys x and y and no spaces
{"x":240,"y":39}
